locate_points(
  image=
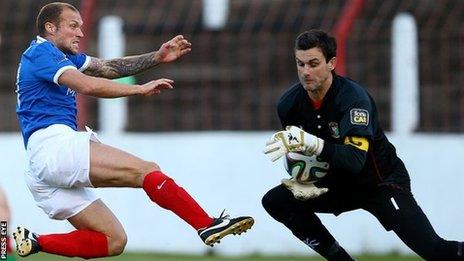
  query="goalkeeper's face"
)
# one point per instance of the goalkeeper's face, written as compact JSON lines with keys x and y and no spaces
{"x":314,"y":72}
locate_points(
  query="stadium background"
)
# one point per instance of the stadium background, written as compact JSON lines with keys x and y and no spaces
{"x":233,"y":77}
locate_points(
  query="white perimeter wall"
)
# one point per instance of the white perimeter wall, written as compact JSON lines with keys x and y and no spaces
{"x":228,"y":170}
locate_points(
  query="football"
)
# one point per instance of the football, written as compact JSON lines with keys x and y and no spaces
{"x":305,"y":169}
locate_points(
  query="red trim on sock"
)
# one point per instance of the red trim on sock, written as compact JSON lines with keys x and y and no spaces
{"x":79,"y":243}
{"x":167,"y":194}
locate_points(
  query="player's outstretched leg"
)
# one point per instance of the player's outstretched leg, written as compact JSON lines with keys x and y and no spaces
{"x":166,"y":193}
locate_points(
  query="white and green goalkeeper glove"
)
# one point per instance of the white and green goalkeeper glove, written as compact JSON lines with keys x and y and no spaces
{"x":303,"y":191}
{"x":293,"y":139}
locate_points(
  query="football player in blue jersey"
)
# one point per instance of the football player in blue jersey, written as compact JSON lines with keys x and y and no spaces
{"x":64,"y":164}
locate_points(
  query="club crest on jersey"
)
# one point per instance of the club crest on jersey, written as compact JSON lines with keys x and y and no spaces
{"x":334,"y":131}
{"x":359,"y":117}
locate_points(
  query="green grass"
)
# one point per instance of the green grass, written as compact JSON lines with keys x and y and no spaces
{"x":176,"y":257}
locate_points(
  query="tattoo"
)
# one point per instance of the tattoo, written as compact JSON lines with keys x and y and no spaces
{"x":121,"y":67}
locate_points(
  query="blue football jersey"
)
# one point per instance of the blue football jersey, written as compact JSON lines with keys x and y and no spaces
{"x":41,"y":101}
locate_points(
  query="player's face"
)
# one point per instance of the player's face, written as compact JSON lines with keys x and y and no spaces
{"x":68,"y":32}
{"x":314,"y":72}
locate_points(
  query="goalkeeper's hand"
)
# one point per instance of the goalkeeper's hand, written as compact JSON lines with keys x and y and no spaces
{"x":293,"y":139}
{"x":303,"y":191}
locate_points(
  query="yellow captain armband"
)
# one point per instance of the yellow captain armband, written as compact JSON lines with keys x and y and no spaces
{"x":359,"y":142}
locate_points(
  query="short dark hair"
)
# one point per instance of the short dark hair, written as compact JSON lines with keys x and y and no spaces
{"x":317,"y":38}
{"x":51,"y":13}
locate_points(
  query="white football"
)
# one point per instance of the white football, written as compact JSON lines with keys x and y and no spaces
{"x":305,"y":169}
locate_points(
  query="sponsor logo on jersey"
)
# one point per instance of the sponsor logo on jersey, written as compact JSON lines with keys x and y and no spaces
{"x":71,"y":92}
{"x":334,"y":131}
{"x":359,"y":117}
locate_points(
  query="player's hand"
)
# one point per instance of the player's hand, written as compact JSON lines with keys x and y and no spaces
{"x":303,"y":191}
{"x":173,"y":49}
{"x":293,"y":139}
{"x":155,"y":87}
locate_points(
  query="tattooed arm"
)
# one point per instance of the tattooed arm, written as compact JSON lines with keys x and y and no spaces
{"x":130,"y":65}
{"x":120,"y":67}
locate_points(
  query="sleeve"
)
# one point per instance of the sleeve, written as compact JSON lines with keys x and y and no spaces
{"x":344,"y":156}
{"x":356,"y":120}
{"x":356,"y":129}
{"x":81,"y":60}
{"x":50,"y":63}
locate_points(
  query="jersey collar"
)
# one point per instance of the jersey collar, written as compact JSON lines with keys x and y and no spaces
{"x":40,"y":39}
{"x":333,"y":90}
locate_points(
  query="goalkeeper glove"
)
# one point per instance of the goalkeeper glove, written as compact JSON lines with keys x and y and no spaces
{"x":303,"y":191}
{"x":293,"y":139}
